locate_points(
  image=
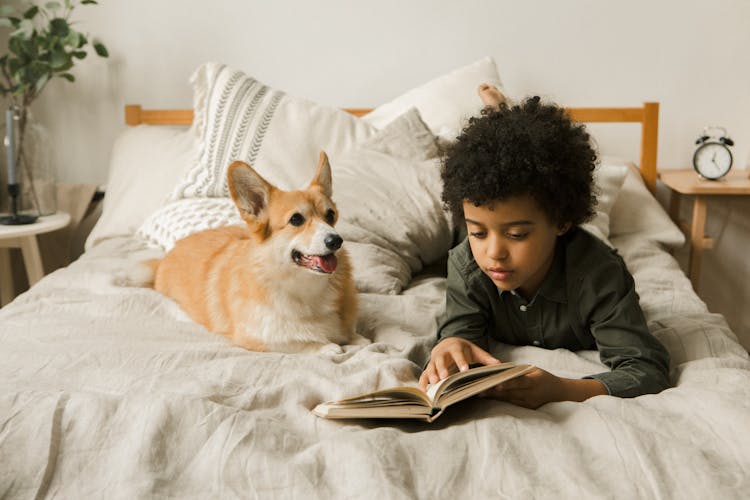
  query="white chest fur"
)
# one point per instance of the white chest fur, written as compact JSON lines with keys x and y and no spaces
{"x":300,"y":315}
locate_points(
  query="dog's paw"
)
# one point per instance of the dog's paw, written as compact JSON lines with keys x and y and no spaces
{"x":358,"y":339}
{"x":331,"y":349}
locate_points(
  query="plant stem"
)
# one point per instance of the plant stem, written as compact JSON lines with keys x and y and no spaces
{"x":21,"y":156}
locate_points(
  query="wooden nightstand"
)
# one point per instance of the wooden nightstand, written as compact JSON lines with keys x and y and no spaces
{"x":24,"y":237}
{"x":688,"y":182}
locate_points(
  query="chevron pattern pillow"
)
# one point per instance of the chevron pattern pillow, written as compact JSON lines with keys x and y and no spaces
{"x":239,"y":118}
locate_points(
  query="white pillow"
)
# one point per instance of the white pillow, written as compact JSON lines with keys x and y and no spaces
{"x":608,"y":179}
{"x":280,"y":136}
{"x":445,"y":102}
{"x":636,"y":211}
{"x":146,"y":162}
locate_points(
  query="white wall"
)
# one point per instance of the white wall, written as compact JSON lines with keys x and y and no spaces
{"x":690,"y":56}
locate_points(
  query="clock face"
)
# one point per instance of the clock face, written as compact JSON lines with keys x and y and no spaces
{"x":712,"y":160}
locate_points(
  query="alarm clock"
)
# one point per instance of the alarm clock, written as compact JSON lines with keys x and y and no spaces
{"x":712,"y":158}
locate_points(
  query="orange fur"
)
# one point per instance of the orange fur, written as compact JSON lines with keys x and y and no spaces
{"x":244,"y":283}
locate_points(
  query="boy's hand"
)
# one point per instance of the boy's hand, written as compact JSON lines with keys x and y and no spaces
{"x":539,"y":387}
{"x":451,"y":354}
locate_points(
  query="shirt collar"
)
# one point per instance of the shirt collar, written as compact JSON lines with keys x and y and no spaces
{"x":554,"y":285}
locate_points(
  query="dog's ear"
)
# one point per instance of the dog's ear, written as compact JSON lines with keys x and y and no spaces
{"x":323,"y":175}
{"x":249,"y":191}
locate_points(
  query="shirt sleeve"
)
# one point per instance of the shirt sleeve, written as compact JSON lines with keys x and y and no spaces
{"x":639,"y":362}
{"x":464,"y":315}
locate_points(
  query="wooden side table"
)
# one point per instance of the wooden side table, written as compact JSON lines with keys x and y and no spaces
{"x":24,"y":237}
{"x":688,"y":182}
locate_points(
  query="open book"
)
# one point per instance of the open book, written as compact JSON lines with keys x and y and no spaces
{"x":411,"y":402}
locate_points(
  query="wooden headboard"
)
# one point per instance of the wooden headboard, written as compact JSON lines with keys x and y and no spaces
{"x":647,"y":115}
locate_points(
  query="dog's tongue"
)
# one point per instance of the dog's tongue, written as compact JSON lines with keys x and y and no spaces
{"x":325,"y":262}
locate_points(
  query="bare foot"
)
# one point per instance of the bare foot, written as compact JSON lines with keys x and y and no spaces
{"x":491,"y":96}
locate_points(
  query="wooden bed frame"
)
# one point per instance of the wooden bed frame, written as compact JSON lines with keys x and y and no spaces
{"x":647,"y":115}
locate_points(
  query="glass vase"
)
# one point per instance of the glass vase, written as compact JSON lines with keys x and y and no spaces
{"x":32,"y":166}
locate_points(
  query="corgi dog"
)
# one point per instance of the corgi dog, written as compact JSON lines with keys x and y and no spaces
{"x":282,"y":283}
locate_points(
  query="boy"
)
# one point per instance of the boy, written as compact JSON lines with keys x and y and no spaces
{"x":522,"y":178}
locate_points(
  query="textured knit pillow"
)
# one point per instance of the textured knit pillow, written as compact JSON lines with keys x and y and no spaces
{"x":239,"y":118}
{"x":181,"y":218}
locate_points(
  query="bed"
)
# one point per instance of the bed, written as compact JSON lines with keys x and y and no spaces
{"x":111,"y":391}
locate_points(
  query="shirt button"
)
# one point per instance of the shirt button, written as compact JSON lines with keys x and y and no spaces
{"x":537,"y":343}
{"x":523,"y":308}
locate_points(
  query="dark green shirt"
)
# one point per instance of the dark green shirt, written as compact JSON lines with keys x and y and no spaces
{"x":586,"y":301}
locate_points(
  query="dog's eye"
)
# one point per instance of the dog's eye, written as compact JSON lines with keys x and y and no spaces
{"x":330,"y":216}
{"x":297,"y":219}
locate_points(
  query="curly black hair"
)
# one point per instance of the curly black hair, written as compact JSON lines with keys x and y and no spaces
{"x":531,"y":148}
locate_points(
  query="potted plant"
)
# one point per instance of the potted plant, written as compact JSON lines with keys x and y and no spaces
{"x":42,"y":45}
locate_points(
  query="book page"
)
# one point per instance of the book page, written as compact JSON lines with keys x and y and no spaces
{"x":434,"y":390}
{"x":464,"y":387}
{"x":404,"y":394}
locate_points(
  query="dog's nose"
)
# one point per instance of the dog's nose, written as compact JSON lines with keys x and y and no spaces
{"x":333,"y":241}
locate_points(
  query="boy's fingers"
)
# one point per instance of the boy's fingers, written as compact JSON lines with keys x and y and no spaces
{"x":428,"y":376}
{"x":423,"y":380}
{"x":459,"y":357}
{"x":442,"y":371}
{"x":483,"y":356}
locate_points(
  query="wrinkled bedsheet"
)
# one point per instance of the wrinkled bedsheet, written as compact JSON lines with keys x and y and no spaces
{"x":112,"y":392}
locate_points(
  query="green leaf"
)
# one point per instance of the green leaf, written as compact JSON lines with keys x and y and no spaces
{"x":52,"y":5}
{"x":65,"y":67}
{"x":58,"y":59}
{"x":14,"y":21}
{"x":30,"y":13}
{"x":59,"y":27}
{"x":73,"y":39}
{"x":41,"y":83}
{"x":25,"y":29}
{"x":14,"y":45}
{"x":79,"y":54}
{"x":14,"y":65}
{"x":100,"y":49}
{"x":68,"y":77}
{"x":87,"y":2}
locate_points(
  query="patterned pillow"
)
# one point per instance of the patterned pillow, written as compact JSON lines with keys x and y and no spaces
{"x":181,"y":218}
{"x":239,"y":118}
